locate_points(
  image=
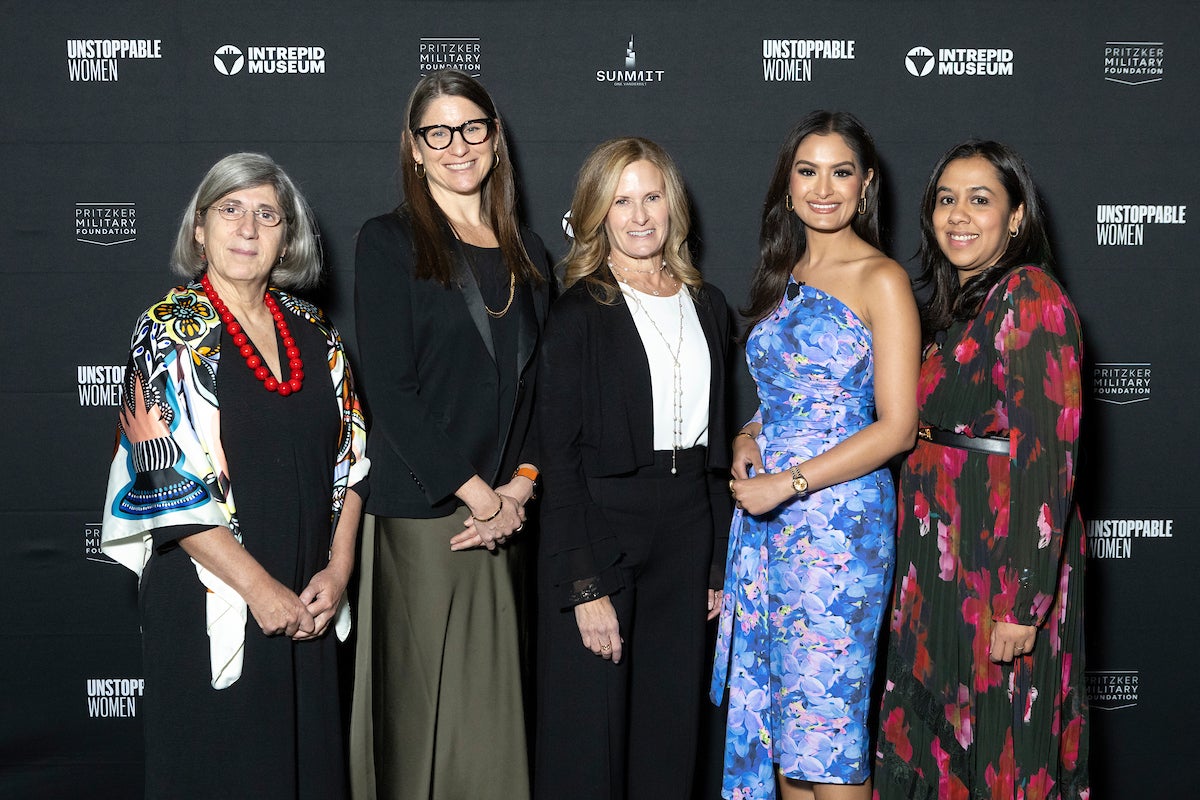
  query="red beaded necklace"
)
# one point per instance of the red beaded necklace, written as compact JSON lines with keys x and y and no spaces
{"x":296,"y":366}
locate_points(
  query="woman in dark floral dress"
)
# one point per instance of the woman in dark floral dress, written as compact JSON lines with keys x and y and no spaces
{"x":985,"y":693}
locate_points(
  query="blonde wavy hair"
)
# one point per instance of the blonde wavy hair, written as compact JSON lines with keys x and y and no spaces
{"x":595,"y":188}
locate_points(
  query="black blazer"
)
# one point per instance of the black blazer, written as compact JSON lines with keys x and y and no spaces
{"x":596,"y":419}
{"x":429,"y":376}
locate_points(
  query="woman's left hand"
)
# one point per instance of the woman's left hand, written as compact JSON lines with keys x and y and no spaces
{"x":762,"y":493}
{"x":323,"y":597}
{"x":1010,"y":640}
{"x":508,"y":522}
{"x":714,"y":603}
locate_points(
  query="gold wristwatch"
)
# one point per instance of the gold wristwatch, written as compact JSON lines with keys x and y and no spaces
{"x":799,"y":482}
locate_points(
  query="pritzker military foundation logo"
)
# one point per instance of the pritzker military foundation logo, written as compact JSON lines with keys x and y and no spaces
{"x":105,"y":224}
{"x":1112,"y":690}
{"x":463,"y":53}
{"x":1134,"y":63}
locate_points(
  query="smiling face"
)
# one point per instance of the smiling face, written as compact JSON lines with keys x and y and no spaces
{"x":972,"y":217}
{"x":826,"y":182}
{"x":639,"y":216}
{"x":461,"y":168}
{"x":243,"y":250}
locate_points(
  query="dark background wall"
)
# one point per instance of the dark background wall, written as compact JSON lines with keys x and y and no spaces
{"x":100,"y":153}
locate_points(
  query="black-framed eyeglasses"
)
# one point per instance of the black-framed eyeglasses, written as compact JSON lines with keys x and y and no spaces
{"x":232,"y":212}
{"x":473,"y":131}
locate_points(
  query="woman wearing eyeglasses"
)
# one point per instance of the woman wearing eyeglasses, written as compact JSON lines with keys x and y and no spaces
{"x":450,"y":295}
{"x":236,"y":492}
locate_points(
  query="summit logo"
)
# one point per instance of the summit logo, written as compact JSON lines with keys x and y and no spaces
{"x":631,"y":75}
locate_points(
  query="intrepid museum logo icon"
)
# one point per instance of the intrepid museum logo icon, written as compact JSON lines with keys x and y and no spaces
{"x":270,"y":60}
{"x":960,"y":61}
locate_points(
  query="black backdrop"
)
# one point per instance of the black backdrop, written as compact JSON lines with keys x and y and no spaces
{"x":112,"y":112}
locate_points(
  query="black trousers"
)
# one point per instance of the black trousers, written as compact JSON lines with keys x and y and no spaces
{"x":627,"y":731}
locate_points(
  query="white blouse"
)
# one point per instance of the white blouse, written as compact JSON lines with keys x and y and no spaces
{"x":661,"y":344}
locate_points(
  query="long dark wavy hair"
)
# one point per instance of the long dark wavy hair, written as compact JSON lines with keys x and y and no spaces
{"x":432,"y":233}
{"x":782,"y":239}
{"x":949,"y":301}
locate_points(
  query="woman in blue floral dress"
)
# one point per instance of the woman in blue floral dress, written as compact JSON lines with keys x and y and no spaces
{"x":834,"y":353}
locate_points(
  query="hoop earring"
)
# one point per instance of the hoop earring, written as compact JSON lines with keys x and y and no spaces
{"x":787,"y":202}
{"x":419,"y":168}
{"x":495,"y":158}
{"x":1014,"y":233}
{"x":862,"y":204}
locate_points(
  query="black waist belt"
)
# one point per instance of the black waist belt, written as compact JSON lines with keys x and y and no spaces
{"x":993,"y":445}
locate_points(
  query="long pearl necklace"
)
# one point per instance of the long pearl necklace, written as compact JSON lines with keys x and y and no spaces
{"x":677,"y":370}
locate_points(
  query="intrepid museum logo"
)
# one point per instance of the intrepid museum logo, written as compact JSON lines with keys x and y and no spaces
{"x":1112,"y":690}
{"x":1134,"y":63}
{"x":631,"y":75}
{"x":1121,"y":383}
{"x":462,"y":53}
{"x":1125,"y":225}
{"x":114,"y":697}
{"x":270,"y":60}
{"x":98,"y":59}
{"x":105,"y":224}
{"x":792,"y":59}
{"x":1113,"y":538}
{"x":960,"y":61}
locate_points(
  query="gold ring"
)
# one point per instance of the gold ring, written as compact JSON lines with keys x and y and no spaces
{"x":604,"y":648}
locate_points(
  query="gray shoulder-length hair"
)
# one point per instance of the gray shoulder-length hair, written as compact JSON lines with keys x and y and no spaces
{"x":301,"y":264}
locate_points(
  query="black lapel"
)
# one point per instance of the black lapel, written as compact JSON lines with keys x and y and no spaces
{"x":716,"y":358}
{"x":469,"y":286}
{"x":626,"y":345}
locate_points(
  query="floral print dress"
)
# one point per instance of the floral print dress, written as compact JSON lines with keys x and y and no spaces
{"x":987,"y":538}
{"x":806,"y":584}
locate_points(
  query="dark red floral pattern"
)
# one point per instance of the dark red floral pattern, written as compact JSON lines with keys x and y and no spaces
{"x":986,"y":538}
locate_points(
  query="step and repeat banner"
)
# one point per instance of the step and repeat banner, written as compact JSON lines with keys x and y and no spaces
{"x":110,"y":114}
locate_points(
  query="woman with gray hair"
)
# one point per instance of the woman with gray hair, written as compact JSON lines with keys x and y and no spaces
{"x":248,"y":710}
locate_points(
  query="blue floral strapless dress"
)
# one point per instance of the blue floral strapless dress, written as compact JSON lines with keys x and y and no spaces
{"x":806,"y":584}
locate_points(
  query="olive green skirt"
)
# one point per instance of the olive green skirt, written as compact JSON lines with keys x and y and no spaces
{"x":437,"y":710}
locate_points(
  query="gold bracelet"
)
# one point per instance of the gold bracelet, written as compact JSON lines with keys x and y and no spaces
{"x":747,"y":434}
{"x":493,"y":516}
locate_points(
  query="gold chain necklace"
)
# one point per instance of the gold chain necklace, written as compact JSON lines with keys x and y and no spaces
{"x":512,"y":290}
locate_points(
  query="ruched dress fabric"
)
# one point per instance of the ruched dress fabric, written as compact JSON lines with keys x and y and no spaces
{"x":807,"y":583}
{"x":986,"y":538}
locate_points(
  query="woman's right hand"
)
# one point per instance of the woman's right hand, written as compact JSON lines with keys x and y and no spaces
{"x":279,"y":610}
{"x":746,"y":455}
{"x":599,"y":629}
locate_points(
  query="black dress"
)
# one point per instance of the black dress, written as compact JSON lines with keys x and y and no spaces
{"x":276,"y":732}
